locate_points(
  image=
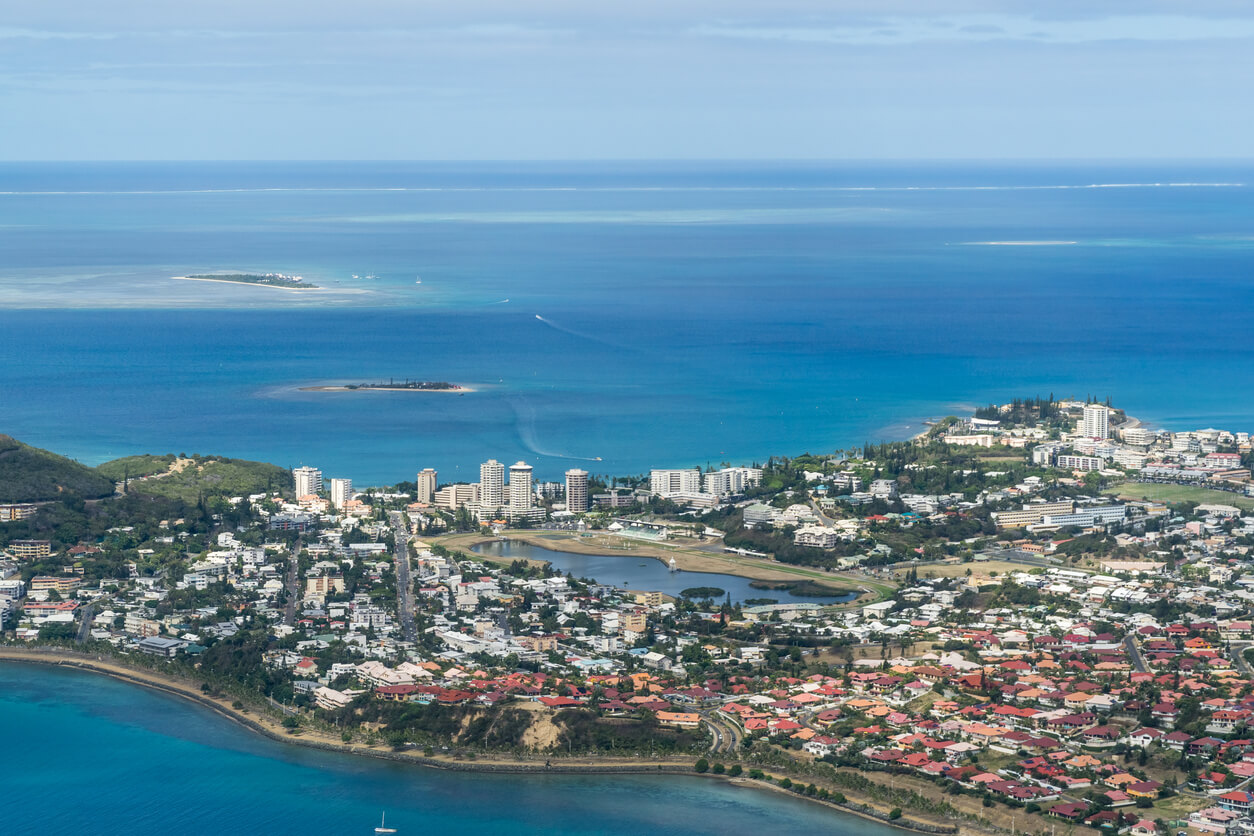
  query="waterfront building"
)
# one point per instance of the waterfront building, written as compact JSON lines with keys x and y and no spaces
{"x":731,"y":480}
{"x":577,"y":491}
{"x":519,"y":487}
{"x":453,"y":497}
{"x":491,"y":485}
{"x":426,"y":485}
{"x":341,"y":492}
{"x":308,"y":481}
{"x":1096,"y":421}
{"x":667,"y":482}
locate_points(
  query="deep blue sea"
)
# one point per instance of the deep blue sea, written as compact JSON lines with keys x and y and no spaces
{"x":612,"y":316}
{"x":90,"y":755}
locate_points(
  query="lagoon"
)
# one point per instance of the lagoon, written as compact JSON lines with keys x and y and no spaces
{"x":629,"y":571}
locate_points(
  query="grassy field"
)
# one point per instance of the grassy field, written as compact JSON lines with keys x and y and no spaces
{"x":1180,"y":493}
{"x":1176,"y":807}
{"x":956,"y":570}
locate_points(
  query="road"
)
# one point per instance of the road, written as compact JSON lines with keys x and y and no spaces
{"x":291,"y":585}
{"x":404,"y":581}
{"x":726,"y":736}
{"x":1134,"y":653}
{"x":1237,"y":649}
{"x":87,"y":614}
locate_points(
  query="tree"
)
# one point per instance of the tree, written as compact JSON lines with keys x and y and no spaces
{"x":702,"y":766}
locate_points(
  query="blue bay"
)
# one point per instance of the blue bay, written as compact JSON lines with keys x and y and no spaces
{"x":658,"y":314}
{"x":104,"y":757}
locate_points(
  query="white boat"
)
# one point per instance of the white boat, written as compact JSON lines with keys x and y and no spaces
{"x":383,"y":828}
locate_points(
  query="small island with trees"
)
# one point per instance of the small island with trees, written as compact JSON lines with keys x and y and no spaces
{"x":264,"y":279}
{"x":393,"y":385}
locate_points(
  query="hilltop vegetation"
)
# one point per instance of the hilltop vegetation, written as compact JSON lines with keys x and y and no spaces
{"x":194,"y":477}
{"x":28,"y":474}
{"x":136,"y":467}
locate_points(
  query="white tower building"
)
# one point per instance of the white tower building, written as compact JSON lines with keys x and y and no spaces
{"x":519,"y":487}
{"x":308,"y":480}
{"x":577,"y":491}
{"x":341,"y":491}
{"x":1095,"y":423}
{"x":426,"y":485}
{"x":491,"y":485}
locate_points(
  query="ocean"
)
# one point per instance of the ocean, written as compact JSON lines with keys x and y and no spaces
{"x":611,"y":316}
{"x":89,"y":754}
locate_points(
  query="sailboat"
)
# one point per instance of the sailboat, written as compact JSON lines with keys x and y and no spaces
{"x":383,"y":828}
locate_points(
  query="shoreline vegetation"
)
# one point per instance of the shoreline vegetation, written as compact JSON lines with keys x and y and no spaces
{"x":394,"y":386}
{"x":261,"y":721}
{"x":275,"y":280}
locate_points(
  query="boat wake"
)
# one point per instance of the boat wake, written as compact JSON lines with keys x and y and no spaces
{"x":581,"y":335}
{"x":525,"y":424}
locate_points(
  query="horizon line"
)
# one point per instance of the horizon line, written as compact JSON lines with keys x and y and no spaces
{"x":593,"y":160}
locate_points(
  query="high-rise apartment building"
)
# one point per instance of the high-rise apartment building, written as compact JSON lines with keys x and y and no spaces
{"x":491,"y":485}
{"x":1095,"y":423}
{"x":732,"y":480}
{"x":577,"y":491}
{"x":308,"y":480}
{"x":453,"y":497}
{"x":667,"y":482}
{"x":519,"y":487}
{"x":341,"y":491}
{"x":426,"y":485}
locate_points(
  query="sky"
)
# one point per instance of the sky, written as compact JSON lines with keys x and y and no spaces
{"x":625,"y":79}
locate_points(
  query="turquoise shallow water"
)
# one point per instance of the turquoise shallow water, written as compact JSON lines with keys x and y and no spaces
{"x":88,"y":754}
{"x":657,"y":314}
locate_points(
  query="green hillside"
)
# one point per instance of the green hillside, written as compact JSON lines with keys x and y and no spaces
{"x":133,"y":467}
{"x":28,"y":474}
{"x":191,"y":478}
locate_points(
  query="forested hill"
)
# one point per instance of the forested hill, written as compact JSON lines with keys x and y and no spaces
{"x":190,"y":478}
{"x":28,"y":474}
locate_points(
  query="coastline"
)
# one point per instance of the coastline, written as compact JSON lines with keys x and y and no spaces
{"x":717,"y":563}
{"x":266,"y":727}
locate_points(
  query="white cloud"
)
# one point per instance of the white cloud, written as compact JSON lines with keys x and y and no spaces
{"x":893,"y":31}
